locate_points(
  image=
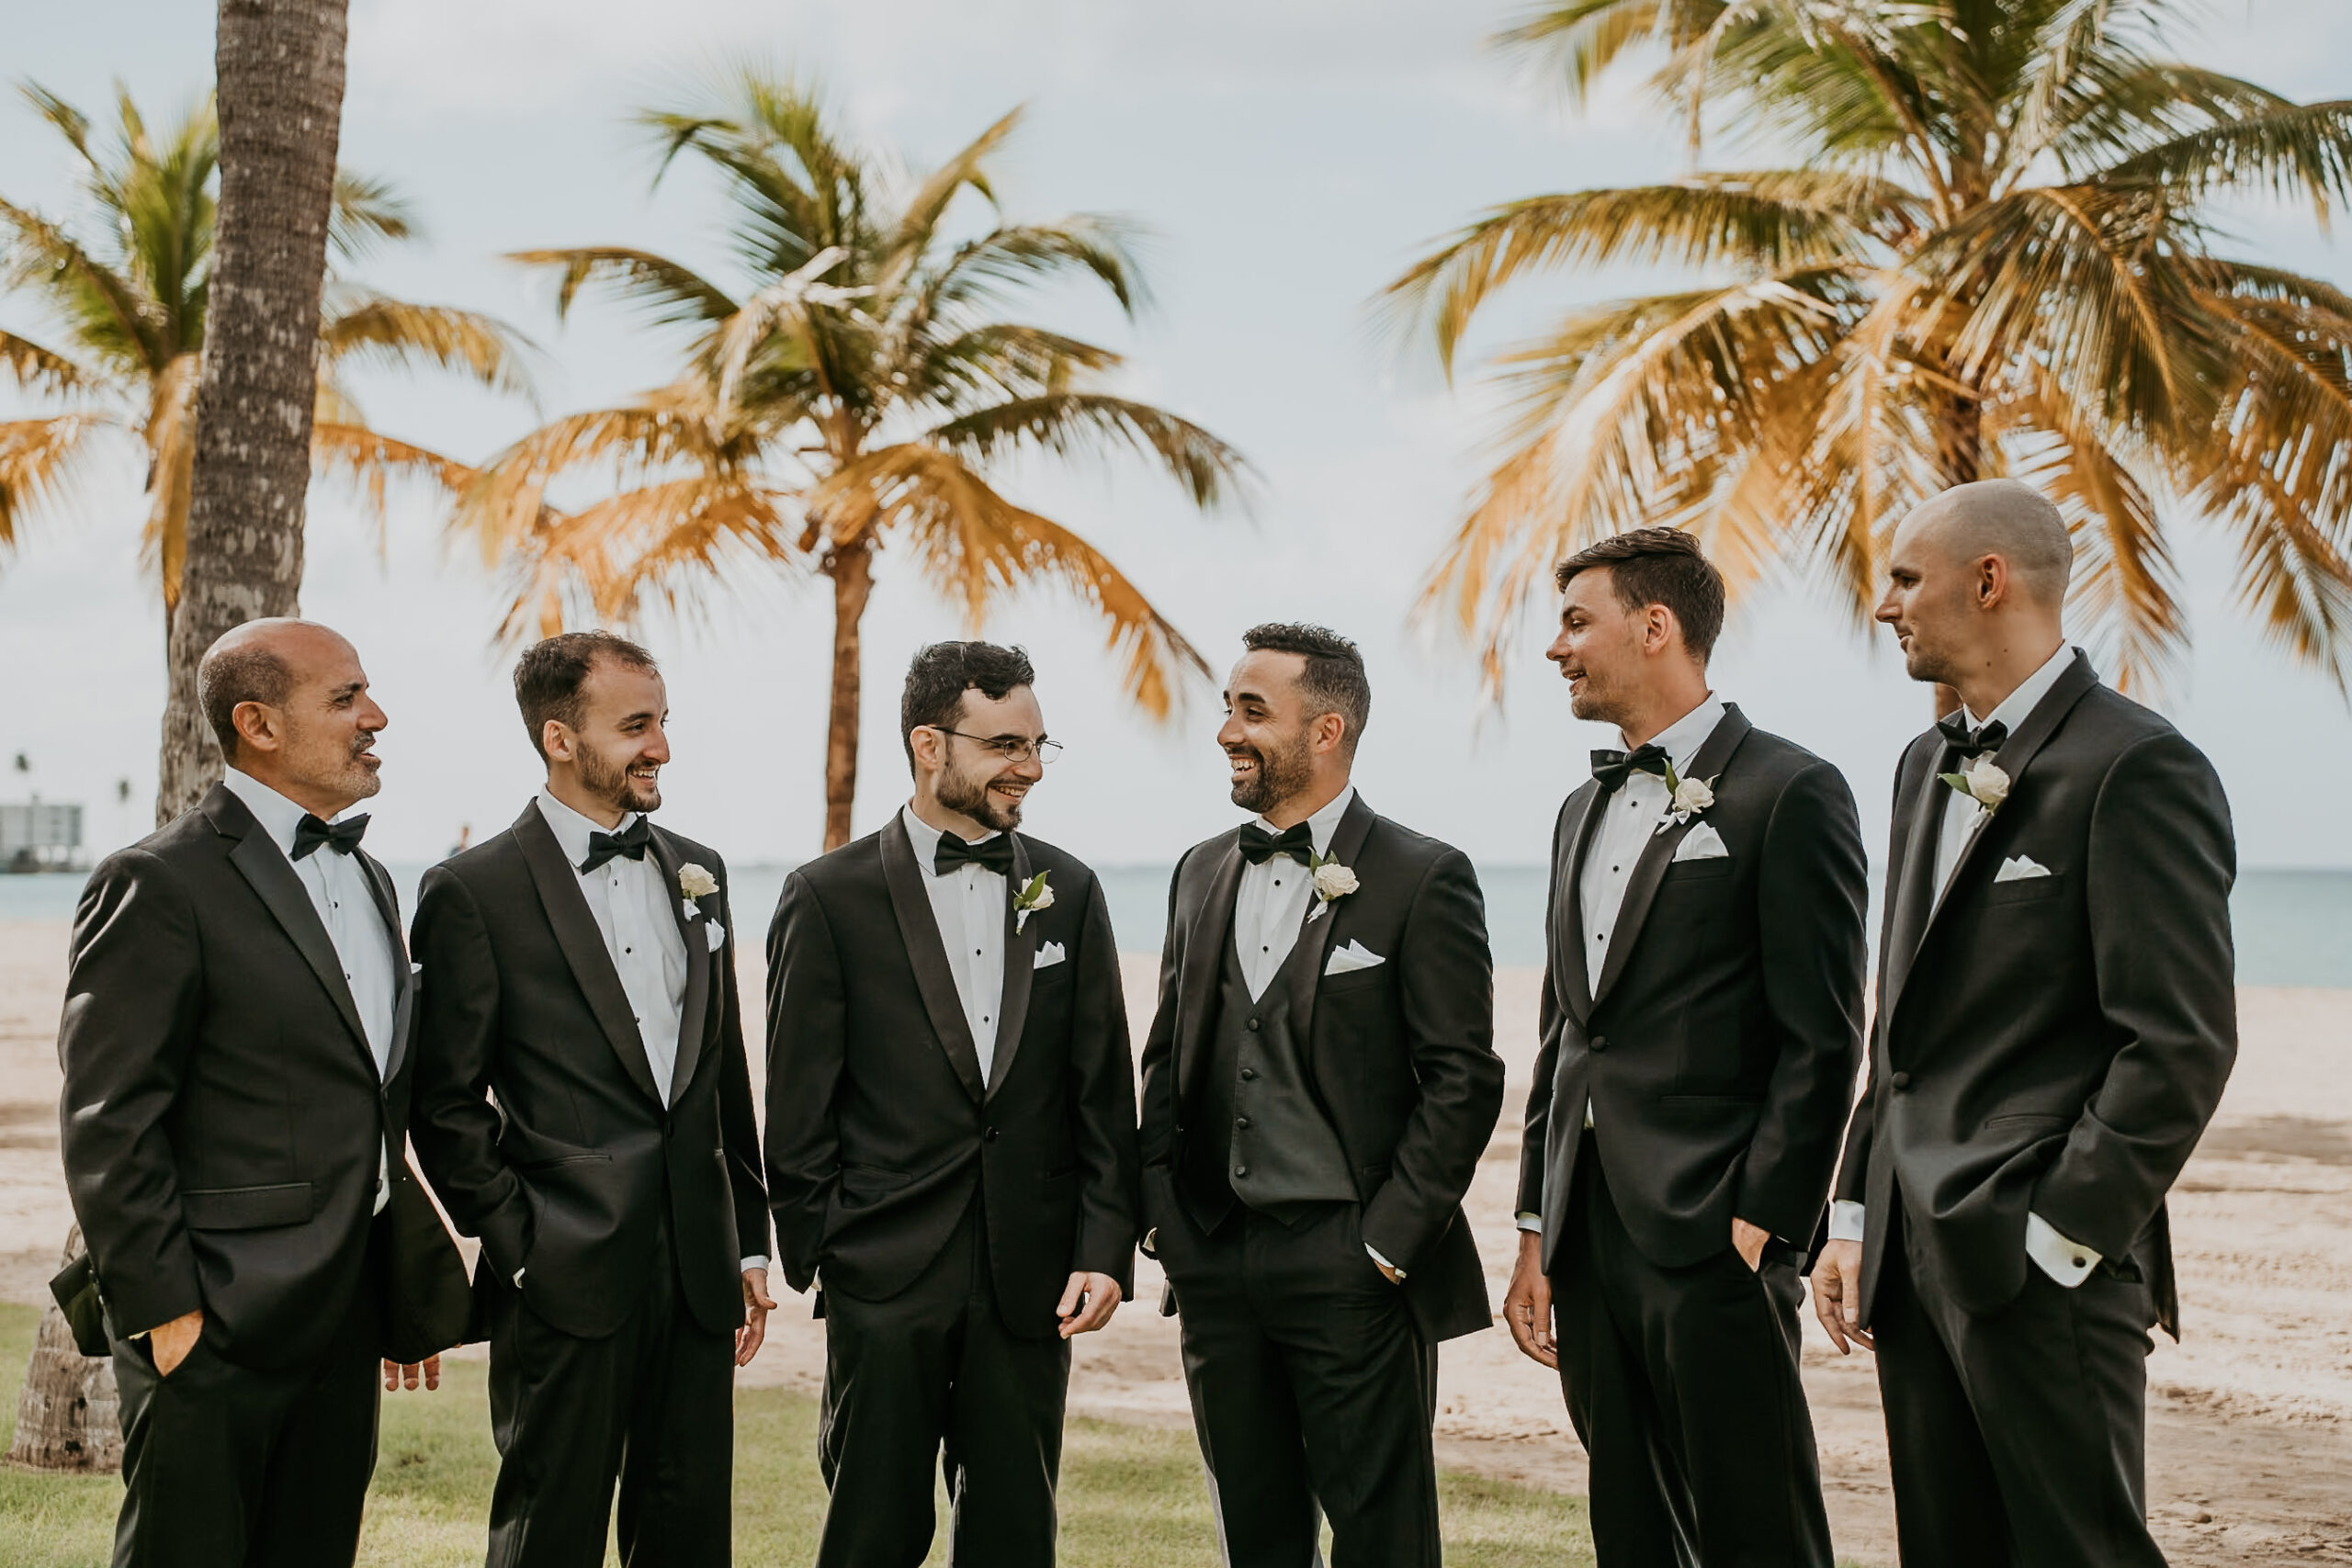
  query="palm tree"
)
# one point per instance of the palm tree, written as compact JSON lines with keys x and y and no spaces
{"x":130,"y":300}
{"x":1992,"y":253}
{"x":278,"y":75}
{"x":861,"y":387}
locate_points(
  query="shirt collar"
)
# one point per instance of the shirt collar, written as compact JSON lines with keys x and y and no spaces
{"x":2029,"y":695}
{"x":1324,"y":823}
{"x":1683,"y":739}
{"x":278,"y":816}
{"x":924,"y":838}
{"x":572,"y":830}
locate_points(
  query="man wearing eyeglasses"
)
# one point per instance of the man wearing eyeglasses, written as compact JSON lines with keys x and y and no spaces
{"x":950,"y":1142}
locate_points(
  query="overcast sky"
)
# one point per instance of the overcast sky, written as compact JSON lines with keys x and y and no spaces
{"x":1290,"y":155}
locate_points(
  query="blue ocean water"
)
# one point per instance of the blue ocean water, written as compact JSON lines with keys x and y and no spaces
{"x":2293,"y":928}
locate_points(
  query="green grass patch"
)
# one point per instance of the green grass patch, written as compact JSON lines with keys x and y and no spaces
{"x":1131,"y":1496}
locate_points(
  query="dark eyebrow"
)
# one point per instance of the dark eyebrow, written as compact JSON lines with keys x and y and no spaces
{"x":641,"y":713}
{"x":349,"y":689}
{"x":1244,"y":695}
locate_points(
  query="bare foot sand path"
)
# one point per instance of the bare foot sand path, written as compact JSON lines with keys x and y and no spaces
{"x":2250,"y":1443}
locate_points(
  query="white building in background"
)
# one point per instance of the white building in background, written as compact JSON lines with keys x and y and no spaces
{"x":40,"y":836}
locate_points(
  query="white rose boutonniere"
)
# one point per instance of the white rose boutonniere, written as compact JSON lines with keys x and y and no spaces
{"x":1685,"y":798}
{"x":1983,"y":782}
{"x":1331,"y":880}
{"x":695,"y":882}
{"x":1034,"y":896}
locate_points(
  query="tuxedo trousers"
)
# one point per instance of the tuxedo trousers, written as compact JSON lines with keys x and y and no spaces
{"x":2016,"y":1438}
{"x":225,"y":1464}
{"x":649,"y":1406}
{"x":1683,"y":1385}
{"x":929,"y":1381}
{"x":1314,"y":1392}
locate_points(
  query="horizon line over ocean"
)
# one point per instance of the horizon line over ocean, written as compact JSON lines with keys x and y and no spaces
{"x":2292,"y":927}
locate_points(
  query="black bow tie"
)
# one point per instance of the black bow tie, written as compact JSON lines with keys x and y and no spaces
{"x":994,"y":853}
{"x":1612,"y":768}
{"x":342,"y":838}
{"x":1258,"y":846}
{"x":1971,"y":743}
{"x":627,"y":844}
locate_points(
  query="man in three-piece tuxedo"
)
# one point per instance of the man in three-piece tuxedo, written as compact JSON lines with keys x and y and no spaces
{"x":1701,"y":1020}
{"x":237,"y":1078}
{"x":951,"y":1131}
{"x":2056,"y":1020}
{"x":1318,"y":1085}
{"x":579,"y":967}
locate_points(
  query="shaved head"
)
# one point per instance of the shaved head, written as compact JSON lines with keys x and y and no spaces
{"x":2004,"y":518}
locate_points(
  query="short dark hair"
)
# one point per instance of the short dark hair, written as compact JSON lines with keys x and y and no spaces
{"x":1334,"y":680}
{"x":1659,"y":565}
{"x":229,"y":676}
{"x":549,"y":675}
{"x":942,"y":672}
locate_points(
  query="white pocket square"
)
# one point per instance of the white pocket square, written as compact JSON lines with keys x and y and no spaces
{"x":1350,"y":958}
{"x":714,"y":934}
{"x":1048,"y":955}
{"x":2017,"y":868}
{"x":1701,"y":843}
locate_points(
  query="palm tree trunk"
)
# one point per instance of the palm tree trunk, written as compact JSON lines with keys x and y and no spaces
{"x":852,"y":569}
{"x":280,"y":69}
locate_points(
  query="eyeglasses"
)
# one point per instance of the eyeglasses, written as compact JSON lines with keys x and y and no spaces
{"x":1016,"y":749}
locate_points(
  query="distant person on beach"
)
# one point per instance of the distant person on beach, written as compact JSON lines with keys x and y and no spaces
{"x":951,"y":1131}
{"x":579,"y":967}
{"x":1320,"y":1083}
{"x":237,"y":1071}
{"x":2056,"y":1017}
{"x":1701,"y":1026}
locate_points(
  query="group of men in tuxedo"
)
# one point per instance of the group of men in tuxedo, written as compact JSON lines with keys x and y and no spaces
{"x":958,"y":1165}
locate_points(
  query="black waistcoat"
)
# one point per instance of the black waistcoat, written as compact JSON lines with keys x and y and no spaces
{"x":1262,"y":1136}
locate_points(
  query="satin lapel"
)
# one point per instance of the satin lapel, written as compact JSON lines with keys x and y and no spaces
{"x":693,"y":1014}
{"x":1020,"y":950}
{"x":1571,"y":976}
{"x":1657,"y":851}
{"x":1318,"y":936}
{"x":261,"y":862}
{"x":918,"y":931}
{"x":1204,"y":956}
{"x":380,"y":887}
{"x":1914,"y":880}
{"x":583,"y":946}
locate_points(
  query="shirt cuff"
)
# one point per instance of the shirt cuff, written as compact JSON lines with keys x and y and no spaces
{"x":1383,"y":1261}
{"x":751,"y":1263}
{"x":1531,"y":1222}
{"x":2068,"y":1262}
{"x":1846,"y":1220}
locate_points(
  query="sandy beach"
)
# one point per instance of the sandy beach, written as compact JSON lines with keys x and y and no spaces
{"x":2251,"y":1433}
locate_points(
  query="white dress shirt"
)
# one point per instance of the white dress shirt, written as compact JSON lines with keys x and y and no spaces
{"x":337,"y":884}
{"x":636,"y":910}
{"x":970,"y":906}
{"x":2067,"y":1262}
{"x":1629,"y":818}
{"x":1270,"y":906}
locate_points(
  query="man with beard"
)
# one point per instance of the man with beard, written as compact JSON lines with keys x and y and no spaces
{"x":1318,"y":1085}
{"x":237,"y":1081}
{"x":2056,"y":1018}
{"x":579,"y":967}
{"x":951,"y":1131}
{"x":1701,"y":1026}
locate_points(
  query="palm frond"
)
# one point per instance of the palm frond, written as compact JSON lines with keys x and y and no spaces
{"x":2295,"y":150}
{"x":667,"y":292}
{"x":46,"y":257}
{"x":370,"y":462}
{"x":1210,"y":472}
{"x":36,"y":459}
{"x":1100,"y":244}
{"x":919,"y":216}
{"x":170,"y":431}
{"x":364,"y":212}
{"x":1583,"y":39}
{"x":40,"y":368}
{"x":363,"y":328}
{"x":663,"y":543}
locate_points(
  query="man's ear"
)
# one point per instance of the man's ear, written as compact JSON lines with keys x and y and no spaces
{"x":555,"y":739}
{"x":258,"y":725}
{"x":1992,"y":581}
{"x":923,"y":743}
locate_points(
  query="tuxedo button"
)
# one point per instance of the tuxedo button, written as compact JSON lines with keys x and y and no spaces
{"x":1901,"y":1082}
{"x":1600,"y":1042}
{"x":988,"y":1135}
{"x":1248,"y":1074}
{"x":1240,"y":1170}
{"x":1253,"y":1026}
{"x":1242,"y":1122}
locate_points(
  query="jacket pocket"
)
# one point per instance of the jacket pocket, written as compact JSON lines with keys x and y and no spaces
{"x":2026,"y":889}
{"x":246,"y":1208}
{"x":558,"y":1163}
{"x":1682,"y":871}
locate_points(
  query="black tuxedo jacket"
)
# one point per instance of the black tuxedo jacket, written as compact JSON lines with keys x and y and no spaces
{"x":572,"y":1174}
{"x":880,"y":1126}
{"x":1719,"y":1049}
{"x":2049,"y":1044}
{"x":223,"y":1119}
{"x":1400,"y":1056}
